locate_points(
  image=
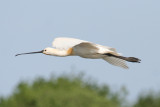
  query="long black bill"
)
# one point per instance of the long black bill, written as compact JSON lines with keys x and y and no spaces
{"x":29,"y":53}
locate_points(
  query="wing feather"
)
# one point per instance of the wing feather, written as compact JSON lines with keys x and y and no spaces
{"x":85,"y":48}
{"x":116,"y":62}
{"x":66,"y":43}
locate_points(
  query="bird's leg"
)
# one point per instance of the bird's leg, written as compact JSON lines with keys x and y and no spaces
{"x":129,"y":59}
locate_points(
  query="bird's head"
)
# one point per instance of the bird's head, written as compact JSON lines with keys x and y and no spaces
{"x":47,"y":51}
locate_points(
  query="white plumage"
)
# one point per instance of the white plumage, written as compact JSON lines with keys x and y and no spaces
{"x":66,"y":43}
{"x":91,"y":52}
{"x":75,"y":47}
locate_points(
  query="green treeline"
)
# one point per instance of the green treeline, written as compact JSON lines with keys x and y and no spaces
{"x":67,"y":91}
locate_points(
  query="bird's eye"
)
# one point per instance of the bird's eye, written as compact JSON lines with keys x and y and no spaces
{"x":45,"y":50}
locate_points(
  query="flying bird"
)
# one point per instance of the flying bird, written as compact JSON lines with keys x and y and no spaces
{"x":63,"y":46}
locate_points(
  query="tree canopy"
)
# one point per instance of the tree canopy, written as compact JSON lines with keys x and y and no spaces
{"x":61,"y":92}
{"x":72,"y":91}
{"x":151,"y":99}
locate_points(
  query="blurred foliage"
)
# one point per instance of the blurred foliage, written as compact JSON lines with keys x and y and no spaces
{"x":151,"y":99}
{"x":64,"y":91}
{"x":72,"y":91}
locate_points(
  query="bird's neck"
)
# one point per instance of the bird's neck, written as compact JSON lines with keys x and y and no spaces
{"x":59,"y":52}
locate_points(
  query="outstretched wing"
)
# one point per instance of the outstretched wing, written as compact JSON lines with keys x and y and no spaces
{"x":66,"y":43}
{"x":85,"y":49}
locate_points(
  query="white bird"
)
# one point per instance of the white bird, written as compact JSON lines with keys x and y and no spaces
{"x":74,"y":47}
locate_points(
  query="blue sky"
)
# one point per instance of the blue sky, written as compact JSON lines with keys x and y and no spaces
{"x":132,"y":27}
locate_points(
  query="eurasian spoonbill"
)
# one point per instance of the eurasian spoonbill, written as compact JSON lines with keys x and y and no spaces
{"x":75,"y":47}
